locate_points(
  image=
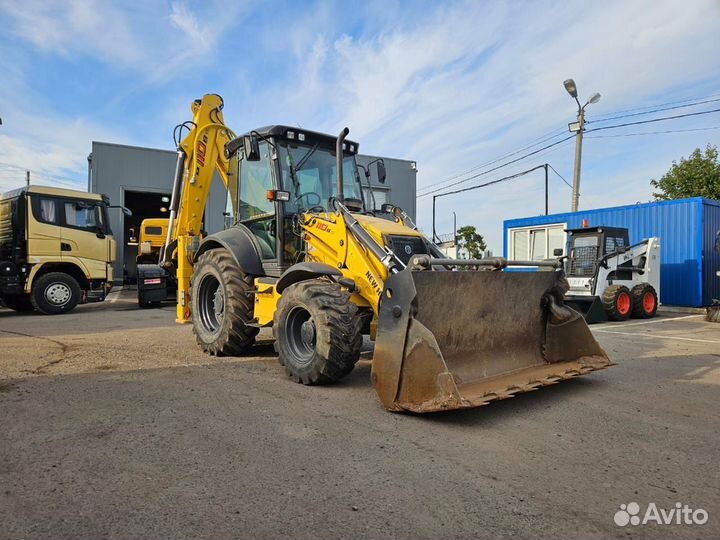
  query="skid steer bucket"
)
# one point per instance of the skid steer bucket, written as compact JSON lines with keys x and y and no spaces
{"x":451,"y":340}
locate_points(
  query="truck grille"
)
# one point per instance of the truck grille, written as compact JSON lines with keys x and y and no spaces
{"x":405,"y":247}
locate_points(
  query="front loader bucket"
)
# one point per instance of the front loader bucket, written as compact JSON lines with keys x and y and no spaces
{"x":451,"y":340}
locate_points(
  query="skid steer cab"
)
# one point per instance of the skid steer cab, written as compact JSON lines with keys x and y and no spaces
{"x":308,"y":258}
{"x":610,"y":279}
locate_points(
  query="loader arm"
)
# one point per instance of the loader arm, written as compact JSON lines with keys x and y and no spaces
{"x":200,"y":153}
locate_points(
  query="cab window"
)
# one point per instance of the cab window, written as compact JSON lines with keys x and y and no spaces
{"x":82,"y":215}
{"x":255,"y":211}
{"x":46,"y":210}
{"x":255,"y":181}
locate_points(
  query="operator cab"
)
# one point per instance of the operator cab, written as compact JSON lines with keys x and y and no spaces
{"x":278,"y":172}
{"x":589,"y":245}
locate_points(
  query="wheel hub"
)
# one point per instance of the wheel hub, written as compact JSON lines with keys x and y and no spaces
{"x":219,"y":302}
{"x":307,"y":332}
{"x":58,"y":294}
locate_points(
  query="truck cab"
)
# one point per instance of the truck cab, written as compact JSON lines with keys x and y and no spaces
{"x":56,"y":249}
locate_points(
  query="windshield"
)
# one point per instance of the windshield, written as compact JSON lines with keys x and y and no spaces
{"x":314,"y":181}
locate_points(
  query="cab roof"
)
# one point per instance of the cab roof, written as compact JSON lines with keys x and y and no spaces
{"x":310,"y":137}
{"x":52,"y":191}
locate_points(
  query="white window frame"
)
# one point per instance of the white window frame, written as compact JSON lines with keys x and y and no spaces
{"x":546,"y":227}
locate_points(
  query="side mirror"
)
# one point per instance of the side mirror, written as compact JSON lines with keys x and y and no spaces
{"x":125,"y":211}
{"x":717,"y":242}
{"x":387,"y":208}
{"x":251,"y":146}
{"x":557,"y":252}
{"x":381,"y":173}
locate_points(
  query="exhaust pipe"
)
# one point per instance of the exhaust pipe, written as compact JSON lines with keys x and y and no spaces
{"x":339,"y":157}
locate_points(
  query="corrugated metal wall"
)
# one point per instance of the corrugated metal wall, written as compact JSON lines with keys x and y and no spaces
{"x":678,"y":224}
{"x":711,"y":262}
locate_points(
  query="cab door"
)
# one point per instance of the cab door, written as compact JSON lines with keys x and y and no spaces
{"x":255,"y":211}
{"x":44,"y":228}
{"x":85,"y":239}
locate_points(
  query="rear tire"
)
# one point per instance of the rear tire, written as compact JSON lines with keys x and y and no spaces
{"x":222,"y":304}
{"x":55,"y":293}
{"x":318,"y":333}
{"x":644,"y":301}
{"x":617,"y":302}
{"x":18,"y":302}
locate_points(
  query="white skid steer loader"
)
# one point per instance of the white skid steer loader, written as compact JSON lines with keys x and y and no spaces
{"x":610,"y":279}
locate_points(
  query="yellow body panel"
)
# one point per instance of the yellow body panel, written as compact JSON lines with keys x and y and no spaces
{"x":328,"y":241}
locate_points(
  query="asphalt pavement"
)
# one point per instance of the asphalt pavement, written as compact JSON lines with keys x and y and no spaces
{"x":115,"y":425}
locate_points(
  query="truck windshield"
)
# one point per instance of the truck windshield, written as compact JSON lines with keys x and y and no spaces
{"x":309,"y":174}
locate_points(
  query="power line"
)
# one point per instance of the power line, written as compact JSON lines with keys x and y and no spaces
{"x":503,"y":179}
{"x":492,"y":182}
{"x":605,"y":116}
{"x":653,"y":120}
{"x":654,"y":111}
{"x":498,"y":167}
{"x":560,"y":175}
{"x":651,"y":133}
{"x":550,"y":135}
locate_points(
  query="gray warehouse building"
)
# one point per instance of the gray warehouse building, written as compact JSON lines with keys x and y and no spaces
{"x":141,"y":180}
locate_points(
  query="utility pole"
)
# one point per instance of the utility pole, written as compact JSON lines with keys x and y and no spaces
{"x":27,"y":178}
{"x":546,"y":190}
{"x":578,"y":127}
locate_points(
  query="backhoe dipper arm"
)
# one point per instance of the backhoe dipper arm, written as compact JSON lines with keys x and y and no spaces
{"x":200,"y":154}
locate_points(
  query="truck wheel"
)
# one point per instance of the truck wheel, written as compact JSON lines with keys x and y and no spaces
{"x":222,"y":304}
{"x":18,"y":302}
{"x":644,"y":301}
{"x":318,"y":333}
{"x":54,"y":293}
{"x":617,"y":302}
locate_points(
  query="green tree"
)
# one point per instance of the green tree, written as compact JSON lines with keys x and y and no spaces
{"x":696,"y":176}
{"x":470,"y":240}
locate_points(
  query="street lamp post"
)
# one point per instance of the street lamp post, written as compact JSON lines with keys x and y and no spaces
{"x":578,"y":127}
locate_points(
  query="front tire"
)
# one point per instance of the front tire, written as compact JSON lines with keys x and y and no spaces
{"x":318,"y":333}
{"x":222,"y":304}
{"x":644,"y":301}
{"x":55,"y":293}
{"x":617,"y":302}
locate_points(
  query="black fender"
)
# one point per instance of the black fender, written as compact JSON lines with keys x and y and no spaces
{"x":304,"y":271}
{"x":239,"y":241}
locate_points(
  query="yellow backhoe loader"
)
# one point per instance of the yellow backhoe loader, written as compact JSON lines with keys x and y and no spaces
{"x":305,"y":257}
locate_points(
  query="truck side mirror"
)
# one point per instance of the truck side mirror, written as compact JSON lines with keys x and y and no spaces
{"x":381,"y":173}
{"x":557,"y":252}
{"x":251,"y":146}
{"x":717,"y":242}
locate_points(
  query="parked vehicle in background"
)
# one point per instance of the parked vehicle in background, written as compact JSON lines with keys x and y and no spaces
{"x":609,"y":278}
{"x":56,"y":249}
{"x":154,"y":284}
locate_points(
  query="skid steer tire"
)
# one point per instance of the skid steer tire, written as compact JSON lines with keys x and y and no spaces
{"x":222,"y":305}
{"x":644,"y":301}
{"x":18,"y":302}
{"x":318,"y":333}
{"x":617,"y":302}
{"x":55,"y":293}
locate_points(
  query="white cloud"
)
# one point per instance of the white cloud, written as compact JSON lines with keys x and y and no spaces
{"x":449,"y":85}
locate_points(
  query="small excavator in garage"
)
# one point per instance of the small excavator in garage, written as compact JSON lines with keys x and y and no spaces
{"x":306,"y":258}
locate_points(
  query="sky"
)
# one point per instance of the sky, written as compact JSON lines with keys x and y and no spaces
{"x":450,"y":85}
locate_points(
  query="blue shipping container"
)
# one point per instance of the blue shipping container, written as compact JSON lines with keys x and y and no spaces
{"x":687,"y":228}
